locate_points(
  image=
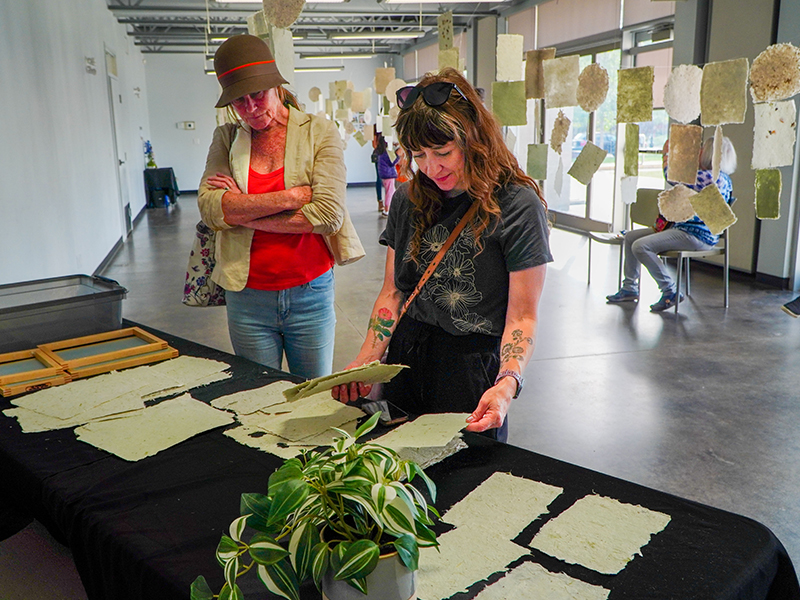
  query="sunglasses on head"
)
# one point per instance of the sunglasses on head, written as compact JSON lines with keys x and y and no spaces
{"x":434,"y":94}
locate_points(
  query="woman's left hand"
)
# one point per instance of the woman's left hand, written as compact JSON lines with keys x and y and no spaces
{"x":493,"y":406}
{"x":222,"y":181}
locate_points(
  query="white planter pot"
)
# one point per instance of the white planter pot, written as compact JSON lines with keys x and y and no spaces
{"x":391,"y":580}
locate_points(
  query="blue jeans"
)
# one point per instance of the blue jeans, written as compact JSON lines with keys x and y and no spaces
{"x":642,"y":247}
{"x":299,"y":322}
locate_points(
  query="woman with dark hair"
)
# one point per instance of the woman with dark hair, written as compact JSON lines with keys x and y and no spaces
{"x":470,"y":332}
{"x":386,"y":172}
{"x":274,"y":190}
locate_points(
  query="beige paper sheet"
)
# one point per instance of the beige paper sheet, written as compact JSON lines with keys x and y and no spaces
{"x":716,"y":155}
{"x":533,"y":582}
{"x":775,"y":74}
{"x":509,"y":57}
{"x":628,"y":186}
{"x":635,"y":94}
{"x":682,"y":93}
{"x":314,"y":93}
{"x":259,"y":439}
{"x":537,"y":161}
{"x":339,"y":88}
{"x":723,"y":92}
{"x":383,"y":75}
{"x":508,"y":102}
{"x":444,"y":27}
{"x":561,"y":81}
{"x":768,"y":194}
{"x":592,"y":87}
{"x":599,"y":533}
{"x":774,"y":134}
{"x":425,"y":457}
{"x":280,"y":42}
{"x":675,"y":204}
{"x":357,"y":103}
{"x":249,"y":401}
{"x":150,"y":430}
{"x":374,"y":372}
{"x":587,"y":163}
{"x":559,"y":133}
{"x":282,"y":13}
{"x":448,"y":58}
{"x":465,"y":556}
{"x":510,"y":140}
{"x":630,"y":165}
{"x":433,"y":430}
{"x":712,"y":209}
{"x":534,"y":72}
{"x":392,"y":87}
{"x":683,"y":158}
{"x":513,"y":502}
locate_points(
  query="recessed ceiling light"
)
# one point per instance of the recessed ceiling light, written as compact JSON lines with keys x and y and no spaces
{"x":318,"y":69}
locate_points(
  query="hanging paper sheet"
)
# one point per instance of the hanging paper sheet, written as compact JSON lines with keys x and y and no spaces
{"x":508,"y":102}
{"x":775,"y":74}
{"x":592,"y":87}
{"x":534,"y":72}
{"x":675,"y":204}
{"x":712,"y":209}
{"x":561,"y":81}
{"x":587,"y":163}
{"x":774,"y":134}
{"x":631,"y":156}
{"x":768,"y":194}
{"x":509,"y":57}
{"x":682,"y":93}
{"x":444,"y":23}
{"x":723,"y":92}
{"x":683,"y":158}
{"x":537,"y":161}
{"x":635,"y":95}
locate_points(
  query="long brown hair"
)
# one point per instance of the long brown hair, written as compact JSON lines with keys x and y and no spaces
{"x":488,"y":163}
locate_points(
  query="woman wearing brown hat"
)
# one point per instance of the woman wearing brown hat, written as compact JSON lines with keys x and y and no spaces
{"x":274,"y":190}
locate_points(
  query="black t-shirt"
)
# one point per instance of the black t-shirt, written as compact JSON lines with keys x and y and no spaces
{"x":468,"y":292}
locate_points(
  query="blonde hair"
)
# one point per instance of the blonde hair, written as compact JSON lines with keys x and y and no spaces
{"x":728,"y":161}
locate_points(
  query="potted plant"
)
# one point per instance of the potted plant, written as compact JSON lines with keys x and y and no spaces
{"x":329,"y":514}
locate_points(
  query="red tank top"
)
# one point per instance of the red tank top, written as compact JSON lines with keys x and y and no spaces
{"x":279,"y":261}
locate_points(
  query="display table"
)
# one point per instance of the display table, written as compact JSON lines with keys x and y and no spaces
{"x":145,"y":530}
{"x":159,"y":183}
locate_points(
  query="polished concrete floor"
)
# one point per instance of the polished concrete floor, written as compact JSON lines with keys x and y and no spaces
{"x":704,"y":406}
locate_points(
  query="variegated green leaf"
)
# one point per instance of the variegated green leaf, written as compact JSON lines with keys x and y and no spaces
{"x":280,"y":579}
{"x":426,"y":537}
{"x":288,"y":497}
{"x":237,"y":528}
{"x":404,"y":495}
{"x":359,"y":584}
{"x":358,"y":561}
{"x":290,"y":471}
{"x":231,"y":571}
{"x":337,"y":555}
{"x":415,"y":469}
{"x":231,"y":593}
{"x":301,"y":546}
{"x":365,"y":503}
{"x":320,"y":560}
{"x":265,"y":551}
{"x":227,"y":549}
{"x":408,"y":551}
{"x":200,"y":589}
{"x":368,"y":426}
{"x":257,"y":506}
{"x":398,"y":518}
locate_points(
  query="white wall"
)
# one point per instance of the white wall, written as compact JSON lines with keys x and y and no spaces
{"x":60,"y":198}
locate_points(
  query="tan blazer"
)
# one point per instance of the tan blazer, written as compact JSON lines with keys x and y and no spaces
{"x":313,"y":157}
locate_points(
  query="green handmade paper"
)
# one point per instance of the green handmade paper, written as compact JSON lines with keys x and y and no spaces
{"x":768,"y":194}
{"x":587,"y":163}
{"x":723,"y":92}
{"x":537,"y":161}
{"x":631,"y":158}
{"x":508,"y":102}
{"x":712,"y":209}
{"x":448,"y":58}
{"x":635,"y":95}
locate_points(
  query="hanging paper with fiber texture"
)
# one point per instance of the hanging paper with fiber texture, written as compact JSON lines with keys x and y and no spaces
{"x":635,"y":95}
{"x":723,"y":92}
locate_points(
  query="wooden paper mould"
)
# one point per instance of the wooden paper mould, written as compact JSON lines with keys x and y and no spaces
{"x":28,"y":371}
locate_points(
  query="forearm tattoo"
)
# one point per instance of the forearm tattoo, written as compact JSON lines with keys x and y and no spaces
{"x":381,"y":325}
{"x":516,"y":348}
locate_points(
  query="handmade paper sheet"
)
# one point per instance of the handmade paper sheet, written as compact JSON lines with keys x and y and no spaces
{"x":559,"y":134}
{"x":561,"y":81}
{"x":675,"y":204}
{"x":250,"y":401}
{"x":775,"y":74}
{"x":592,"y":87}
{"x":357,"y":103}
{"x":682,"y":93}
{"x":444,"y":26}
{"x":534,"y":582}
{"x":392,"y":87}
{"x":587,"y":163}
{"x":449,"y":58}
{"x":508,"y":102}
{"x":683,"y":158}
{"x":599,"y":533}
{"x":339,"y":88}
{"x":255,"y":437}
{"x":314,"y":93}
{"x":464,"y":557}
{"x":509,"y":57}
{"x":425,"y":431}
{"x":512,"y":501}
{"x":768,"y":194}
{"x":150,"y":430}
{"x":723,"y":92}
{"x":534,"y":71}
{"x":282,"y":13}
{"x":374,"y":372}
{"x":383,"y":75}
{"x":280,"y":41}
{"x":630,"y":166}
{"x":510,"y":140}
{"x":635,"y":94}
{"x":712,"y":209}
{"x":628,"y":186}
{"x":774,"y":134}
{"x":537,"y":161}
{"x":716,"y":156}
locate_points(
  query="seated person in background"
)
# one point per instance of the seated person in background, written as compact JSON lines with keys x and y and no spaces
{"x":642,"y":246}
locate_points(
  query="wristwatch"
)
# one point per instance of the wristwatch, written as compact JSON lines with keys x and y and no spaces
{"x":509,"y":373}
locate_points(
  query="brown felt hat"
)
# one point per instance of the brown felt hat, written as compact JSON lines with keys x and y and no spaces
{"x":244,"y":65}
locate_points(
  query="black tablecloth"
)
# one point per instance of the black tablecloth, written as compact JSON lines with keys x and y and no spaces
{"x":145,"y":530}
{"x":160,"y":180}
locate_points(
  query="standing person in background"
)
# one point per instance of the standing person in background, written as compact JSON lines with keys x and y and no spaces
{"x":374,"y":158}
{"x":471,"y":331}
{"x":273,"y":187}
{"x":387,"y":173}
{"x":401,"y":164}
